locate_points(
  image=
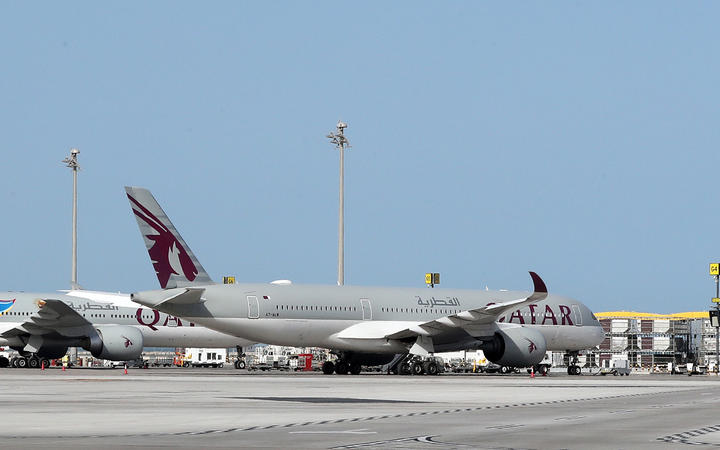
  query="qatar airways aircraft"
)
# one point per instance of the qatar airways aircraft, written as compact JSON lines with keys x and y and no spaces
{"x":362,"y":325}
{"x":42,"y":326}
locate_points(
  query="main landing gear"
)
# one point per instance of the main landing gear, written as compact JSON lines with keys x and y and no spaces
{"x":415,"y":365}
{"x":31,"y":361}
{"x":573,"y":367}
{"x":341,"y":367}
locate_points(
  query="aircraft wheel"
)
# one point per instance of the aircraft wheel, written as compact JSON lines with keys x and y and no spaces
{"x":13,"y":361}
{"x":33,"y":362}
{"x":45,"y":362}
{"x":355,"y":368}
{"x":328,"y":367}
{"x":240,"y":364}
{"x":417,"y":368}
{"x":404,"y":369}
{"x":342,"y":368}
{"x":504,"y":369}
{"x":542,"y":370}
{"x":431,"y":368}
{"x":22,"y":362}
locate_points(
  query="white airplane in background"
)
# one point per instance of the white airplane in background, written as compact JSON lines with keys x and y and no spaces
{"x":362,"y":325}
{"x":42,"y":326}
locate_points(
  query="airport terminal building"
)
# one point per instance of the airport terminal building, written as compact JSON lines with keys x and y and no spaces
{"x":651,"y":341}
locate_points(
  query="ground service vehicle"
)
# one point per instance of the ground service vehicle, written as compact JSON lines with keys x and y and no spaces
{"x":205,"y":357}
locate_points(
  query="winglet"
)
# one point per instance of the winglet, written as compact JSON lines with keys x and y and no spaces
{"x":539,"y":289}
{"x":538,"y":283}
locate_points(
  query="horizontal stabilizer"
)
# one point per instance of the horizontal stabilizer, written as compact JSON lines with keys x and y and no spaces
{"x":177,"y":296}
{"x":188,"y":297}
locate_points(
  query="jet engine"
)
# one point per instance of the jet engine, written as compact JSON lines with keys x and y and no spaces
{"x":516,"y":347}
{"x":116,"y":343}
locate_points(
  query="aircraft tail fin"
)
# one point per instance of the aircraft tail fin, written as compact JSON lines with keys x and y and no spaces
{"x":174,"y":262}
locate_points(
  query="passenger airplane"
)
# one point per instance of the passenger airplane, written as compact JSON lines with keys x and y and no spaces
{"x":362,"y":325}
{"x":42,"y":326}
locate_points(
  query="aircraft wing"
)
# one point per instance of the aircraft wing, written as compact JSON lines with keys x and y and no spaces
{"x":474,"y":318}
{"x":53,"y":316}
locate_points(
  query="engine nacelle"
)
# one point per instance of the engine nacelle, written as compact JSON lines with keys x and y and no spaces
{"x":116,"y":343}
{"x":516,"y":347}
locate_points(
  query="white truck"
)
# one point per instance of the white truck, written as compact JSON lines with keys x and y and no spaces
{"x":619,"y":367}
{"x":205,"y":357}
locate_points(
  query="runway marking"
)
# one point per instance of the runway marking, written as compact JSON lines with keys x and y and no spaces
{"x":687,"y":437}
{"x":335,"y":421}
{"x":324,"y":399}
{"x":421,"y":439}
{"x":570,"y":418}
{"x":503,"y":427}
{"x":358,"y":431}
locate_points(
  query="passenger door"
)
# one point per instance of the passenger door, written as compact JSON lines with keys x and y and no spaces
{"x":366,"y":309}
{"x":253,"y":307}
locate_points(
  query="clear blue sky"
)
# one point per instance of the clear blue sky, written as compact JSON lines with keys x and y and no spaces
{"x":579,"y":140}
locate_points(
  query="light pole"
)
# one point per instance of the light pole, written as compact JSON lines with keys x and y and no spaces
{"x":341,"y":143}
{"x":72,"y":163}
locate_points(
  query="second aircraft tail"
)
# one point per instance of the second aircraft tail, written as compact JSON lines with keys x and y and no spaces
{"x":174,"y":262}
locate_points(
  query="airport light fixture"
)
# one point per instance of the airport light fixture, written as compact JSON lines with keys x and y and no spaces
{"x":72,"y":162}
{"x":341,"y":143}
{"x":432,"y":278}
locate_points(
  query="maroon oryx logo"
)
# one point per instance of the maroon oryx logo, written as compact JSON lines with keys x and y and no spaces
{"x":532,"y":347}
{"x":128,"y":342}
{"x":167,"y":253}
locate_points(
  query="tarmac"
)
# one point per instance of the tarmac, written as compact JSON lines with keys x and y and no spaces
{"x":228,"y":408}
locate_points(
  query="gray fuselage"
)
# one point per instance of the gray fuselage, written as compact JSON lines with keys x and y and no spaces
{"x":321,"y":316}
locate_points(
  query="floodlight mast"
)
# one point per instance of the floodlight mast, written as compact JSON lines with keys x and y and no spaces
{"x":72,"y":163}
{"x":341,"y":142}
